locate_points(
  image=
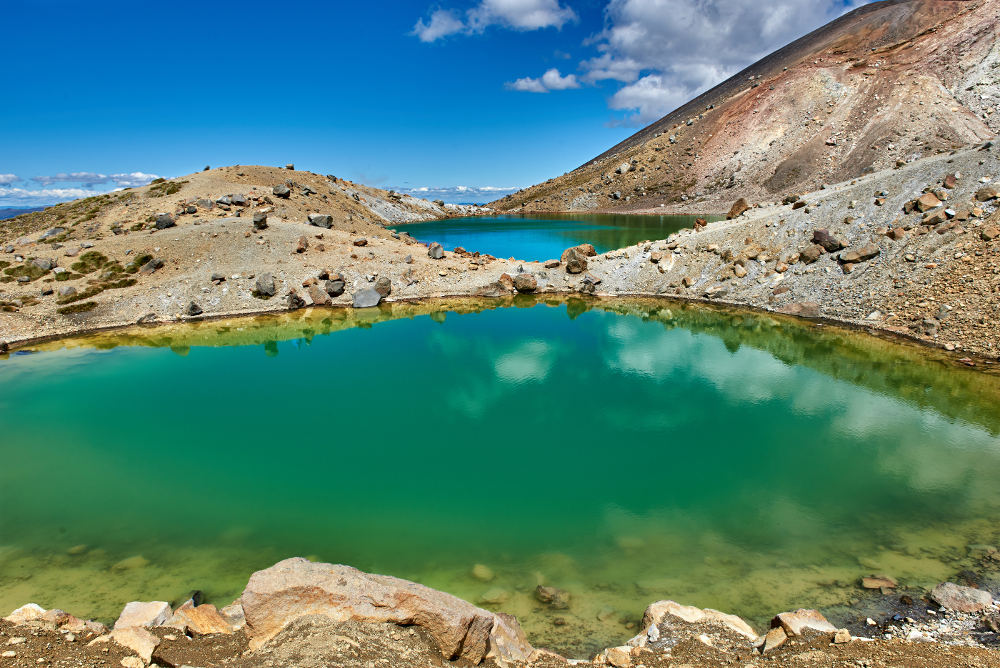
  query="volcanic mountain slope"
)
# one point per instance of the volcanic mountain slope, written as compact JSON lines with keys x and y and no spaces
{"x":889,"y":82}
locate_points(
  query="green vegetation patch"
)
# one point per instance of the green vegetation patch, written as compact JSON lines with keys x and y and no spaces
{"x":136,"y":264}
{"x":89,"y":262}
{"x":31,"y":271}
{"x":161,"y":187}
{"x":78,"y":308}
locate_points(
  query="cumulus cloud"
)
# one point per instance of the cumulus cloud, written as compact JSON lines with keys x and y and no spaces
{"x":8,"y":179}
{"x":458,"y":194}
{"x":551,"y":80}
{"x":513,"y":14}
{"x":90,"y":179}
{"x":668,"y":51}
{"x":442,"y":23}
{"x":42,"y":196}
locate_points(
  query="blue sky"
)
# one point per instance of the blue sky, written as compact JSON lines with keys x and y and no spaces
{"x":479,"y":93}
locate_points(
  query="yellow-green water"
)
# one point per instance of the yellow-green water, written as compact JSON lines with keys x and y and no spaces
{"x":626,"y":451}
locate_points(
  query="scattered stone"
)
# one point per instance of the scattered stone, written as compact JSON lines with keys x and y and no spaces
{"x":294,"y":300}
{"x":896,"y":233}
{"x":383,"y":286}
{"x":137,"y":639}
{"x":794,"y":623}
{"x":774,"y":639}
{"x":281,"y":190}
{"x":862,"y":254}
{"x":360,"y":243}
{"x":802,"y":309}
{"x":986,"y":194}
{"x":525,"y":282}
{"x":265,"y":286}
{"x":961,"y":599}
{"x":319,"y":296}
{"x":739,"y":270}
{"x":301,"y":245}
{"x":989,"y":233}
{"x":367,"y":298}
{"x":151,"y":266}
{"x":619,"y":657}
{"x":297,"y":587}
{"x":137,"y":613}
{"x":829,"y":242}
{"x":132,"y":662}
{"x":321,"y":220}
{"x":193,"y":309}
{"x":739,"y":207}
{"x":812,"y":253}
{"x":435,"y":251}
{"x":557,"y":599}
{"x":259,"y":220}
{"x":335,"y":287}
{"x":26,"y":613}
{"x":552,"y":264}
{"x":43,"y":263}
{"x":841,"y":636}
{"x":164,"y":220}
{"x":200,"y":620}
{"x":926,"y":202}
{"x":67,"y":291}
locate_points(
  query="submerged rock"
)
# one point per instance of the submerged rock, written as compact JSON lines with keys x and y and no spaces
{"x":553,"y":597}
{"x":296,"y":587}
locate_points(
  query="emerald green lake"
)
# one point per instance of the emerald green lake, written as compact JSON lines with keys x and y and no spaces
{"x":625,"y":451}
{"x":539,"y":237}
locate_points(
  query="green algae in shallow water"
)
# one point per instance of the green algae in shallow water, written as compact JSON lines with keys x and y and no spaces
{"x":630,"y":452}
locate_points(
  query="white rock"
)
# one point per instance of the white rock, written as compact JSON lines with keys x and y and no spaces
{"x":26,"y":613}
{"x":137,"y":613}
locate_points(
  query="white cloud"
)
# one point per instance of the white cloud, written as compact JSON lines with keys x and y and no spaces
{"x":669,"y":51}
{"x":513,"y":14}
{"x":442,"y":23}
{"x":41,"y":197}
{"x":530,"y":361}
{"x":520,"y":14}
{"x":551,"y":80}
{"x":8,"y":179}
{"x":83,"y":178}
{"x":457,"y":194}
{"x":133,"y":179}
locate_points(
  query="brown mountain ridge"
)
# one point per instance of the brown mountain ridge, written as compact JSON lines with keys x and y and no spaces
{"x":891,"y":81}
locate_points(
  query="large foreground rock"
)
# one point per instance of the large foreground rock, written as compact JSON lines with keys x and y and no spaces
{"x":296,"y":587}
{"x":961,"y":599}
{"x":673,"y":613}
{"x":139,"y":613}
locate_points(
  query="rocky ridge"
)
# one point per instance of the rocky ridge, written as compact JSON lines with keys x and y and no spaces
{"x":886,"y":84}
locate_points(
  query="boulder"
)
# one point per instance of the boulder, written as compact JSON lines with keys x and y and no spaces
{"x":319,"y":296}
{"x":367,"y":298}
{"x":137,"y":613}
{"x":54,"y":232}
{"x":586,"y":250}
{"x":926,"y":202}
{"x":200,"y":620}
{"x":740,"y":207}
{"x":950,"y":181}
{"x":795,"y":623}
{"x":623,"y":168}
{"x":989,"y":233}
{"x":383,"y":286}
{"x":164,"y":220}
{"x":281,"y":190}
{"x":335,"y":287}
{"x":296,"y":587}
{"x":224,"y":200}
{"x":576,"y":262}
{"x":265,"y":286}
{"x":812,"y":253}
{"x":961,"y":599}
{"x":294,"y":300}
{"x":239,"y":200}
{"x":67,"y":291}
{"x":862,"y":254}
{"x":671,"y":613}
{"x":774,"y":639}
{"x":193,"y":309}
{"x":986,"y":194}
{"x":137,"y":639}
{"x":435,"y":251}
{"x":321,"y":220}
{"x":525,"y":282}
{"x":259,"y":220}
{"x":151,"y":266}
{"x":829,"y":242}
{"x":43,"y":263}
{"x":26,"y":613}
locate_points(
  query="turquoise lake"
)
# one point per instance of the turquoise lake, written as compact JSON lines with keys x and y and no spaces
{"x":624,"y":451}
{"x":539,"y":237}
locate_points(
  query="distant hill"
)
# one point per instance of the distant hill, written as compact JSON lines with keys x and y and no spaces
{"x":889,"y":81}
{"x":10,"y":212}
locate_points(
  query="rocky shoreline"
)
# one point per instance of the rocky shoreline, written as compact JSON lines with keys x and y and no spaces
{"x":313,"y":614}
{"x":913,"y":252}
